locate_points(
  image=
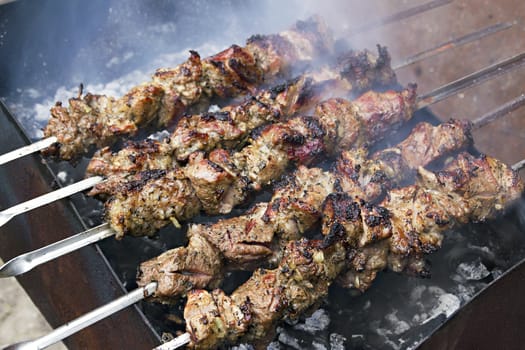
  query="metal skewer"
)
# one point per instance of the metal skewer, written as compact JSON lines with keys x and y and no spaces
{"x":457,"y":42}
{"x":28,"y":261}
{"x":26,"y":150}
{"x":503,"y":110}
{"x":396,"y":17}
{"x":47,"y":198}
{"x":519,"y":165}
{"x":175,"y":343}
{"x":86,"y":320}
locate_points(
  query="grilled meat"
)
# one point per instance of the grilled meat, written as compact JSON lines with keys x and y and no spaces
{"x":246,"y":241}
{"x":252,"y":311}
{"x":100,"y":120}
{"x":223,"y":179}
{"x":230,"y":126}
{"x":259,"y":236}
{"x":469,"y":190}
{"x":179,"y":270}
{"x":167,"y":198}
{"x":352,"y":229}
{"x":370,"y":177}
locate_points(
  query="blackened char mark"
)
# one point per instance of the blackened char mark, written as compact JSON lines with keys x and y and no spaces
{"x":380,"y":217}
{"x":219,"y":65}
{"x":144,"y":178}
{"x":337,"y":233}
{"x":279,"y":43}
{"x":143,"y":146}
{"x":278,"y":89}
{"x":308,"y":92}
{"x":314,"y":127}
{"x":222,"y":116}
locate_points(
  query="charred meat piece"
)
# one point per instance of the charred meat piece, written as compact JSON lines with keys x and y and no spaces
{"x":426,"y":141}
{"x":169,"y":198}
{"x":367,"y":118}
{"x":99,"y":120}
{"x":180,"y":270}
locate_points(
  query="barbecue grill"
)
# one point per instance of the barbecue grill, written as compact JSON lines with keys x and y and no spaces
{"x":77,"y":283}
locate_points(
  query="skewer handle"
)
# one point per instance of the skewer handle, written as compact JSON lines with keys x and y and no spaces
{"x":47,"y":198}
{"x":501,"y":111}
{"x":477,"y":35}
{"x":26,"y":262}
{"x":87,"y":319}
{"x":24,"y":151}
{"x":181,"y":340}
{"x":471,"y":80}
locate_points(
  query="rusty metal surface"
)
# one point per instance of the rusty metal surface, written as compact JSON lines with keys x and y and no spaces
{"x":491,"y":321}
{"x":90,"y":282}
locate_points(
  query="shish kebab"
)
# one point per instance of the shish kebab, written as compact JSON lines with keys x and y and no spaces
{"x":258,"y":237}
{"x":27,"y":261}
{"x":410,"y":222}
{"x":476,"y":186}
{"x":23,"y":151}
{"x":354,"y":73}
{"x":100,"y":120}
{"x":478,"y":77}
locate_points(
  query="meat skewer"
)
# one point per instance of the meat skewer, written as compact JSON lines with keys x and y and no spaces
{"x":100,"y":120}
{"x":258,"y":237}
{"x":355,"y":72}
{"x":312,"y":266}
{"x":470,"y":189}
{"x":433,"y":97}
{"x":220,"y":181}
{"x":45,"y":143}
{"x":28,"y":261}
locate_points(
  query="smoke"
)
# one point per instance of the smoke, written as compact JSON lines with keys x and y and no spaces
{"x":109,"y":46}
